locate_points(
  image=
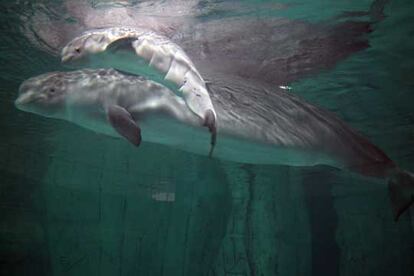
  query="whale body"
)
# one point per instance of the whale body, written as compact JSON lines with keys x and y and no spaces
{"x":255,"y":124}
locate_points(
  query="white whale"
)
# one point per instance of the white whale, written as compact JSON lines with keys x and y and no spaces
{"x":255,"y":125}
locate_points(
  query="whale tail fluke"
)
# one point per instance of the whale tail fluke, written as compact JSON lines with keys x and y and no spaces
{"x":401,"y":190}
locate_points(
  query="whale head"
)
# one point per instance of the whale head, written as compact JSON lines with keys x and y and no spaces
{"x":79,"y":50}
{"x":57,"y":93}
{"x":44,"y":95}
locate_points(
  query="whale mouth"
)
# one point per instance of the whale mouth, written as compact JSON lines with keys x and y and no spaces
{"x":24,"y":99}
{"x":28,"y":101}
{"x":75,"y":61}
{"x":66,"y":58}
{"x":28,"y":96}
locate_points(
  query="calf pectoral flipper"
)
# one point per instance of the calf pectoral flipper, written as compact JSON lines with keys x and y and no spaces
{"x":122,"y":121}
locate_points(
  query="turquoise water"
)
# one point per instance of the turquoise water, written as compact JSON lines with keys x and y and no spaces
{"x":73,"y":202}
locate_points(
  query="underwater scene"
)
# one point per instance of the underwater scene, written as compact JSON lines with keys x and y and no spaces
{"x":207,"y":137}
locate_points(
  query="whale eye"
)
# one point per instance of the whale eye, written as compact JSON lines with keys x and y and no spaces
{"x":52,"y":90}
{"x":78,"y":50}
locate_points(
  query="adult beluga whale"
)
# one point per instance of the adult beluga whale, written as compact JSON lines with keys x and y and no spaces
{"x":280,"y":128}
{"x":146,"y":53}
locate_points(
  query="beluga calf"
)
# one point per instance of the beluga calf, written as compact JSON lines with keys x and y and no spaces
{"x":145,"y":53}
{"x":254,"y":126}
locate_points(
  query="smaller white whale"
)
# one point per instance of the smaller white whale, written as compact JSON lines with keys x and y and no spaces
{"x":255,"y":126}
{"x":146,"y":53}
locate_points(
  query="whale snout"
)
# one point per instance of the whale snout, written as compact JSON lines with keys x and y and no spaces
{"x":66,"y":58}
{"x":67,"y":54}
{"x":27,"y":96}
{"x":74,"y":60}
{"x":23,"y":99}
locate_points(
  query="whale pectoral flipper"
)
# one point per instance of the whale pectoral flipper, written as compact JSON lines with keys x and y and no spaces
{"x":122,"y":121}
{"x":210,"y":123}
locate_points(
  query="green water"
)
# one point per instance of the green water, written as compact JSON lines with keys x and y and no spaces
{"x":73,"y":202}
